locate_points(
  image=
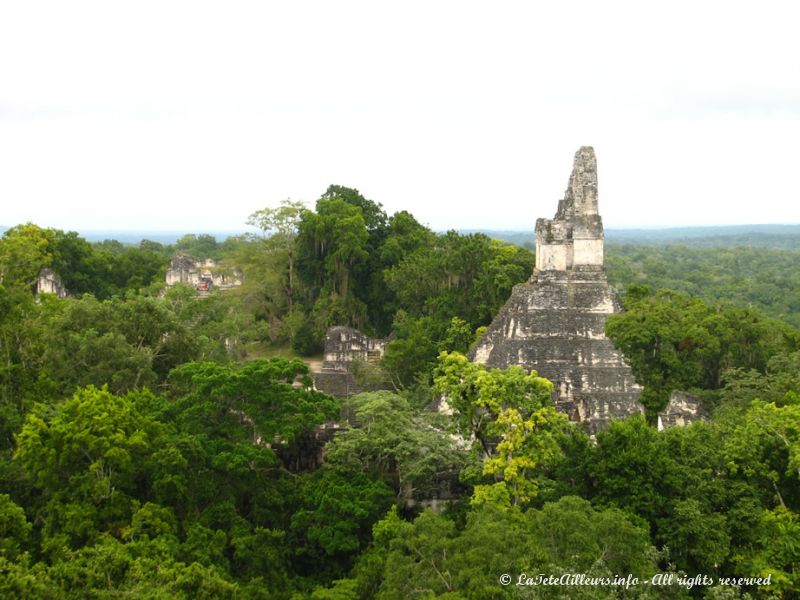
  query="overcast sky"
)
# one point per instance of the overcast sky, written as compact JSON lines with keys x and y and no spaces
{"x":191,"y":115}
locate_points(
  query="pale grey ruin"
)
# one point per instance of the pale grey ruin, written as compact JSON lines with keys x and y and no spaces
{"x":345,"y":346}
{"x":48,"y":282}
{"x":555,"y":323}
{"x":681,"y":410}
{"x":202,"y":274}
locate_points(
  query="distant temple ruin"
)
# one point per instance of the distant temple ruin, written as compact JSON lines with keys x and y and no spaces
{"x":344,"y":347}
{"x":202,"y":274}
{"x":47,"y":282}
{"x":681,"y":410}
{"x":555,"y":322}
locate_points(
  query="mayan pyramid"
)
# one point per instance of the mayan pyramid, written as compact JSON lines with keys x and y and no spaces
{"x":555,"y":322}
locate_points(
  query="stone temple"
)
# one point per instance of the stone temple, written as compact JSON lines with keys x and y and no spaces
{"x":555,"y":323}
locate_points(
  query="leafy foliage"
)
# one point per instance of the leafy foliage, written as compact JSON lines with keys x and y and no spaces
{"x":235,"y":478}
{"x":743,"y":275}
{"x":673,"y":342}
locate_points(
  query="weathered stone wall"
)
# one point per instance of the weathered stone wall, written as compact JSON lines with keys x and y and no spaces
{"x":555,"y":326}
{"x":185,"y":269}
{"x":574,"y":237}
{"x":553,"y":257}
{"x":343,"y":347}
{"x":587,"y":252}
{"x":682,"y":409}
{"x":49,"y":283}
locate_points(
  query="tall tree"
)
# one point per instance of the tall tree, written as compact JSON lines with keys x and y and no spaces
{"x":279,"y":227}
{"x":24,"y":251}
{"x":511,"y":415}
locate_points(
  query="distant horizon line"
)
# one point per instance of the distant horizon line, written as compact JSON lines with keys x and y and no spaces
{"x":131,"y":231}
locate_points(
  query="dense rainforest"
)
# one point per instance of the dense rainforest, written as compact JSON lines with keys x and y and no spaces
{"x":155,"y":443}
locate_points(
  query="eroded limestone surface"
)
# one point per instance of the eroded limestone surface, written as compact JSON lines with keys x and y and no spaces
{"x":202,"y":274}
{"x":343,"y":347}
{"x":555,"y":323}
{"x":682,"y":409}
{"x":49,"y":283}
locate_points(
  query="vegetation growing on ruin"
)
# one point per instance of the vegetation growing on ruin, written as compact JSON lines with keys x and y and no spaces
{"x":143,"y":454}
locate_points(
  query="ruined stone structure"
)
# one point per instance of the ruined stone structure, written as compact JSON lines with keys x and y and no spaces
{"x":49,"y":283}
{"x":343,"y":347}
{"x":555,"y":322}
{"x":682,"y":409}
{"x":202,"y":274}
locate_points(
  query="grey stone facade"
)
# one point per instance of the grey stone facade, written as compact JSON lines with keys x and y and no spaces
{"x":555,"y":322}
{"x":682,"y":409}
{"x":202,"y":274}
{"x":48,"y":283}
{"x":343,"y":347}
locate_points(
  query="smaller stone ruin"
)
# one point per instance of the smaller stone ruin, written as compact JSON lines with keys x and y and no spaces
{"x":202,"y":274}
{"x":344,"y":347}
{"x":683,"y":409}
{"x":49,"y":283}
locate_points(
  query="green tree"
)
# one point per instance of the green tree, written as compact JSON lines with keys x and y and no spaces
{"x":631,"y":470}
{"x":335,"y":518}
{"x":14,"y":528}
{"x":124,"y":343}
{"x":86,"y":458}
{"x":24,"y":251}
{"x":280,"y":229}
{"x":432,"y":558}
{"x":411,"y":354}
{"x":393,"y":444}
{"x":333,"y":256}
{"x":776,"y":552}
{"x":763,"y":445}
{"x":374,"y":216}
{"x":511,"y":416}
{"x":198,"y":246}
{"x":22,"y":332}
{"x":675,"y":342}
{"x":264,"y":402}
